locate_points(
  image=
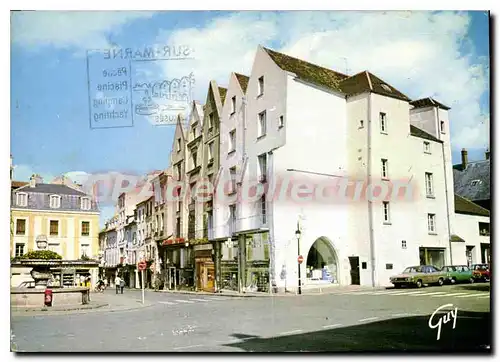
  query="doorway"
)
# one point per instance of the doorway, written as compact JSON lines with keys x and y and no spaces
{"x":321,"y":263}
{"x":354,"y":262}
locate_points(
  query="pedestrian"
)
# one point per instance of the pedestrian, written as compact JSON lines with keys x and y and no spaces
{"x":117,"y":283}
{"x":122,"y":285}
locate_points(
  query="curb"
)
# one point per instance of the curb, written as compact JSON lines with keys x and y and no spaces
{"x":242,"y":295}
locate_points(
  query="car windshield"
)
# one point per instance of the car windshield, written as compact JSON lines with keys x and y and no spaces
{"x":412,"y":269}
{"x":481,"y":267}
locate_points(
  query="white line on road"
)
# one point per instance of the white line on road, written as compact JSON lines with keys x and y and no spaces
{"x":471,"y":295}
{"x":484,"y":297}
{"x":388,"y":293}
{"x":184,"y":301}
{"x":409,"y":293}
{"x":368,"y":319}
{"x":447,"y":295}
{"x":426,"y":294}
{"x":201,"y":300}
{"x":193,"y":346}
{"x":291,"y":332}
{"x":404,"y":315}
{"x":332,"y":326}
{"x":169,"y":303}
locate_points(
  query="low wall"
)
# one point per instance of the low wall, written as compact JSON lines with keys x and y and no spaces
{"x":34,"y":298}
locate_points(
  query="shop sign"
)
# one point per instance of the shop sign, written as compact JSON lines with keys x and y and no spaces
{"x":173,"y":241}
{"x":203,"y":247}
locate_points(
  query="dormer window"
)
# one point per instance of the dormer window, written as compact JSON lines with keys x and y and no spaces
{"x":442,"y":126}
{"x":55,"y":201}
{"x":85,"y":205}
{"x":22,"y":199}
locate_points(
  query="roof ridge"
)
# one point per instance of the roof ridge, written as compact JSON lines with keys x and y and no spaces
{"x":369,"y":79}
{"x":473,"y":203}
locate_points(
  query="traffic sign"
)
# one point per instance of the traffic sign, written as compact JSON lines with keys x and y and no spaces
{"x":300,"y":259}
{"x":142,"y":265}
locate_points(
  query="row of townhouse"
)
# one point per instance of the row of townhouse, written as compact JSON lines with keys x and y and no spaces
{"x":271,"y":144}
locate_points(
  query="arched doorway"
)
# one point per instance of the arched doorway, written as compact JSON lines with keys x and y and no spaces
{"x":322,"y":263}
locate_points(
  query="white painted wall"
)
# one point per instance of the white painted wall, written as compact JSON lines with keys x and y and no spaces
{"x":467,"y":227}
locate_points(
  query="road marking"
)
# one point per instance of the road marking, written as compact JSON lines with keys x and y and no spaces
{"x":484,"y":297}
{"x":332,"y":326}
{"x":193,"y":346}
{"x":169,"y":303}
{"x":368,"y":319}
{"x":426,"y":294}
{"x":447,"y":295}
{"x":201,"y":300}
{"x":470,"y":295}
{"x":404,"y":314}
{"x":410,"y":293}
{"x":388,"y":293}
{"x":291,"y":332}
{"x":184,"y":301}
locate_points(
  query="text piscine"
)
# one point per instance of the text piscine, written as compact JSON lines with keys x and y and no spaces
{"x":181,"y":51}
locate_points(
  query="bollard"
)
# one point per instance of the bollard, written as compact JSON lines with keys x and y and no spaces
{"x":48,"y":297}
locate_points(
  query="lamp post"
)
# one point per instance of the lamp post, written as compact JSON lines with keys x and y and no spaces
{"x":297,"y":234}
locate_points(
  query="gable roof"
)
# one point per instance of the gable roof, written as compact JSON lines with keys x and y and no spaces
{"x":464,"y":206}
{"x":243,"y":81}
{"x":368,"y":82}
{"x":463,"y":180}
{"x":428,"y":102}
{"x":222,"y":93}
{"x":308,"y":72}
{"x":417,"y":132}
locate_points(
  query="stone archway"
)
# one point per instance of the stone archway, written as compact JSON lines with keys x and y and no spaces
{"x":322,"y":263}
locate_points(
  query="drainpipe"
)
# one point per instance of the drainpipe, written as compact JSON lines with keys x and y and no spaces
{"x":445,"y":191}
{"x":370,"y":202}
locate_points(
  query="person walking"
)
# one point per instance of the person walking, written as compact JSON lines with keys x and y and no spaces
{"x":122,"y":285}
{"x":117,"y":283}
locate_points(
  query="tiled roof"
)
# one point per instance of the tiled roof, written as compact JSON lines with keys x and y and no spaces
{"x":222,"y":92}
{"x":464,"y":206}
{"x":308,"y":72}
{"x":17,"y":184}
{"x":39,"y":198}
{"x":243,"y":80}
{"x":473,"y":183}
{"x":428,"y":102}
{"x":368,"y":82}
{"x":417,"y":132}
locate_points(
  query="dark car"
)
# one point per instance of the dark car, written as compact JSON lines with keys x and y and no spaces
{"x":481,"y":272}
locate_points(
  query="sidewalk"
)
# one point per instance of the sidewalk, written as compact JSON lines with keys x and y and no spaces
{"x":99,"y":302}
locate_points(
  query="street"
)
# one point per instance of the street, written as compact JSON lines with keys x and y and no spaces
{"x":367,"y":320}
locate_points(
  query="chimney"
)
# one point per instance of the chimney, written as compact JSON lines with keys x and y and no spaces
{"x":487,"y":153}
{"x":33,"y":180}
{"x":464,"y":159}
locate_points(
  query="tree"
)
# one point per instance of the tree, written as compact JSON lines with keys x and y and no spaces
{"x":40,"y":254}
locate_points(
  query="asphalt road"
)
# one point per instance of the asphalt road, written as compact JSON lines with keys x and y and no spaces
{"x":379,"y":320}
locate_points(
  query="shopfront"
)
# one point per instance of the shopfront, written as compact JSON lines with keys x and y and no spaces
{"x":256,"y":265}
{"x":178,"y":264}
{"x":205,"y":267}
{"x":432,"y":256}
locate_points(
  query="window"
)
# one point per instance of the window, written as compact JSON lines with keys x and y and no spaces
{"x":194,"y":156}
{"x":427,"y":147}
{"x":361,"y":124}
{"x":210,"y":151}
{"x":262,"y":124}
{"x":387,"y":216}
{"x":262,"y":161}
{"x":403,"y":244}
{"x":55,"y":201}
{"x":85,"y":228}
{"x":263,"y":208}
{"x":85,"y":203}
{"x":232,"y":175}
{"x":388,"y":266}
{"x":429,"y":189}
{"x":383,"y":122}
{"x":22,"y":199}
{"x":210,"y":121}
{"x":233,"y":105}
{"x":178,"y":145}
{"x":54,"y":227}
{"x":442,"y":126}
{"x":385,"y":169}
{"x":232,"y":218}
{"x":193,"y":130}
{"x":86,"y":249}
{"x":21,"y":227}
{"x":260,"y":90}
{"x":431,"y":223}
{"x":484,"y":229}
{"x":179,"y":172}
{"x":363,"y":265}
{"x":19,"y":250}
{"x":281,"y":122}
{"x":232,"y":141}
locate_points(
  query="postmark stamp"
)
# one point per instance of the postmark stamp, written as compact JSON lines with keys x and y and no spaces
{"x":126,"y":86}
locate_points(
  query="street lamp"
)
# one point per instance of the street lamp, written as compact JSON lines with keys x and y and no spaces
{"x":297,"y":234}
{"x":41,"y":242}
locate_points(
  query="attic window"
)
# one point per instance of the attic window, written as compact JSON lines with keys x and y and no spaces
{"x":475,"y":182}
{"x":55,"y":201}
{"x":386,"y":87}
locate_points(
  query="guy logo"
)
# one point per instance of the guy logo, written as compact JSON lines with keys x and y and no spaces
{"x":444,"y":319}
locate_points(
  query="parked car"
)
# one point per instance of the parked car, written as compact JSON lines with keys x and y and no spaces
{"x":457,"y":274}
{"x":28,"y":284}
{"x":418,"y":276}
{"x":481,"y":272}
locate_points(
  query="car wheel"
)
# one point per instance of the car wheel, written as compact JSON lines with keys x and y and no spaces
{"x":471,"y":280}
{"x":440,"y":282}
{"x":419,"y":284}
{"x":453,"y":280}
